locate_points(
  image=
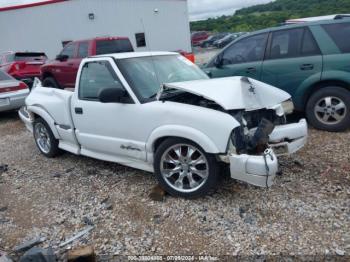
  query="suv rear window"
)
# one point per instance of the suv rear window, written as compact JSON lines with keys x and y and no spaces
{"x":26,"y":57}
{"x":340,"y":33}
{"x":113,"y":46}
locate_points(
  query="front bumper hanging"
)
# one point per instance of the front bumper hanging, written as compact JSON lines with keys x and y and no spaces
{"x":260,"y":170}
{"x":255,"y":170}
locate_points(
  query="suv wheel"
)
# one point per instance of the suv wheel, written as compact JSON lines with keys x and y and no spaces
{"x":51,"y":82}
{"x":329,"y":109}
{"x":183,"y":169}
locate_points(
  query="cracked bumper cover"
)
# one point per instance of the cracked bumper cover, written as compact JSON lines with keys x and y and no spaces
{"x":253,"y":169}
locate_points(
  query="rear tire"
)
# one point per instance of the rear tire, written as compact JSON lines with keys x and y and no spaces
{"x":44,"y":139}
{"x":51,"y":82}
{"x":329,"y":109}
{"x":184,"y":169}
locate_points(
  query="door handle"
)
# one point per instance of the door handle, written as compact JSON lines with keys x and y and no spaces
{"x":250,"y":70}
{"x":70,"y":64}
{"x":78,"y":110}
{"x":307,"y":67}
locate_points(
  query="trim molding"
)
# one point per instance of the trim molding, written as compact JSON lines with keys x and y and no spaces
{"x":15,"y":7}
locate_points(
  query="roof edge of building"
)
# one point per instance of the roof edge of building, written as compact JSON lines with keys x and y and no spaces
{"x":15,"y":7}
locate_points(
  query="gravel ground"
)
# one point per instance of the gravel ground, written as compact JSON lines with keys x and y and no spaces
{"x":307,"y":211}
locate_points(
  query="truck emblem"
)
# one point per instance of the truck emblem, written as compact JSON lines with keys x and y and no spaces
{"x":252,"y":89}
{"x":129,"y":148}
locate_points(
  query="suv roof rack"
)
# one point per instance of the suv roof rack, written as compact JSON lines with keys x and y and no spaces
{"x":316,"y":18}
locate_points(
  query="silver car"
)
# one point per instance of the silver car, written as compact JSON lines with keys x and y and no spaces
{"x":12,"y":92}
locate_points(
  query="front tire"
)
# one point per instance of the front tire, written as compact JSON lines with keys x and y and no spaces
{"x":44,"y":139}
{"x":329,"y":109}
{"x":51,"y":82}
{"x":184,"y":169}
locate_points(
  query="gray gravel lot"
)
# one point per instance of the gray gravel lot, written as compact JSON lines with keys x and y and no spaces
{"x":307,"y":211}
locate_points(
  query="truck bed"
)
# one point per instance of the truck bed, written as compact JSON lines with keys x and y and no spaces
{"x":56,"y":102}
{"x":54,"y":105}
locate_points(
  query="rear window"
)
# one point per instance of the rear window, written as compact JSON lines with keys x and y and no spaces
{"x":83,"y":50}
{"x":26,"y":57}
{"x":113,"y":46}
{"x":4,"y":76}
{"x":340,"y":33}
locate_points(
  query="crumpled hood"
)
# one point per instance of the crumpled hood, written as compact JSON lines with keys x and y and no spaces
{"x":234,"y":92}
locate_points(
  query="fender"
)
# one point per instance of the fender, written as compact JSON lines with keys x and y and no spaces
{"x":46,"y":116}
{"x":307,"y":87}
{"x":188,"y":133}
{"x":303,"y":89}
{"x":337,"y":75}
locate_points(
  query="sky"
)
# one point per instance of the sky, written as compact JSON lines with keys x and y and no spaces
{"x":198,"y":9}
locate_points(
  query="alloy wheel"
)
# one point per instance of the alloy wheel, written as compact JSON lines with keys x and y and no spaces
{"x":184,"y":168}
{"x":330,"y":110}
{"x":42,"y":138}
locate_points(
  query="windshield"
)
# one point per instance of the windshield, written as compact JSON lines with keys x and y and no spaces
{"x":145,"y":75}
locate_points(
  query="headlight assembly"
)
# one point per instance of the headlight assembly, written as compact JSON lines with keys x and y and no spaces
{"x":288,"y":106}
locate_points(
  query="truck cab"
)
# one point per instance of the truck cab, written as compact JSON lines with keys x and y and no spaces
{"x":61,"y":72}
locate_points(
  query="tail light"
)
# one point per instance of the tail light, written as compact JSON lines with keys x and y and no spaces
{"x":15,"y":67}
{"x":20,"y":86}
{"x":191,"y":57}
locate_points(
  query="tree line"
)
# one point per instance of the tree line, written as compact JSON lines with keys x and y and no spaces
{"x":271,"y":14}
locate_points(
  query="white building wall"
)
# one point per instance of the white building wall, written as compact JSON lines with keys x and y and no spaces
{"x":43,"y":28}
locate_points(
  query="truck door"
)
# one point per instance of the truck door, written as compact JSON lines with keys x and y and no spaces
{"x":66,"y":70}
{"x":103,"y":129}
{"x":242,"y":58}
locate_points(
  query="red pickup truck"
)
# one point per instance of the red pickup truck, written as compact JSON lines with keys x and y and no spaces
{"x":61,"y":73}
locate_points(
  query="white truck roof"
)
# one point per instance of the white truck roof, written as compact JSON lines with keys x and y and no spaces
{"x":136,"y":54}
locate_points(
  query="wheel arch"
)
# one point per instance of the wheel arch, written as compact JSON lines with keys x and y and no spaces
{"x":40,"y":112}
{"x":47,"y":74}
{"x":162,"y":133}
{"x":322,"y":84}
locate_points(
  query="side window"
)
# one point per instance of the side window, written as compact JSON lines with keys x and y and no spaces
{"x":309,"y":46}
{"x":246,"y":50}
{"x":83,"y":50}
{"x":69,"y":50}
{"x":96,"y":76}
{"x":140,"y":39}
{"x":286,"y":43}
{"x":340,"y":33}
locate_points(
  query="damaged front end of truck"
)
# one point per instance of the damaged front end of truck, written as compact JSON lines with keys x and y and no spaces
{"x":263,"y":133}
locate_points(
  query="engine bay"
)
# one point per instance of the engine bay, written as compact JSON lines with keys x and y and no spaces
{"x":252,"y":135}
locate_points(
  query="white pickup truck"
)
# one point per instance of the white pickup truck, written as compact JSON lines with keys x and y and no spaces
{"x":160,"y":113}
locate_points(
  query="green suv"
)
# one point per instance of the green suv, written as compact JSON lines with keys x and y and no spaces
{"x":311,"y":61}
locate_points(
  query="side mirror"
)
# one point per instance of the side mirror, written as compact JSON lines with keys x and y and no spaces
{"x":62,"y":57}
{"x":218,"y":62}
{"x":112,"y":95}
